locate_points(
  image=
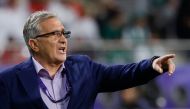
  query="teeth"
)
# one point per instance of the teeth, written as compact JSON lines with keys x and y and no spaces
{"x":62,"y":50}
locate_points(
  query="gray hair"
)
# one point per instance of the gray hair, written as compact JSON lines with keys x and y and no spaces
{"x":32,"y":27}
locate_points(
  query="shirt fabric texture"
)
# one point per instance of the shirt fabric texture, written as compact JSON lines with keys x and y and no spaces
{"x":55,"y":85}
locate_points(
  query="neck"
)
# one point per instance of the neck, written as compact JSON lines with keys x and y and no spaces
{"x":51,"y":67}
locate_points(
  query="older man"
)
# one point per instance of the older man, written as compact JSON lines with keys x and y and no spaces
{"x":50,"y":79}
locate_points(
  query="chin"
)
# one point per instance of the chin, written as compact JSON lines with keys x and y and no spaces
{"x":63,"y":58}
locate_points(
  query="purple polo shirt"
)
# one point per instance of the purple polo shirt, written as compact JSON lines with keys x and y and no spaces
{"x":56,"y":86}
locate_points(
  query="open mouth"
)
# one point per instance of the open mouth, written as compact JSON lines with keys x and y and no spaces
{"x":62,"y":49}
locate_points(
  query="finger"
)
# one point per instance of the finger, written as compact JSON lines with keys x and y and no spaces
{"x":171,"y":67}
{"x":166,"y":57}
{"x":158,"y":69}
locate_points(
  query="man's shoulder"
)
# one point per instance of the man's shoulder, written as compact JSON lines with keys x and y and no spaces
{"x":8,"y":73}
{"x":11,"y":70}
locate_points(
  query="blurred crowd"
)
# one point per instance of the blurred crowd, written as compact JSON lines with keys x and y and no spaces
{"x":109,"y":31}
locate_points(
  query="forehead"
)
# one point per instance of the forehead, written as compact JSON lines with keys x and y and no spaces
{"x":51,"y":24}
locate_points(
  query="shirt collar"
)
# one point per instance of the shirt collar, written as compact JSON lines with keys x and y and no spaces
{"x":39,"y":67}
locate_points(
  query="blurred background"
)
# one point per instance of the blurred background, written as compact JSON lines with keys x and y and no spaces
{"x":114,"y":32}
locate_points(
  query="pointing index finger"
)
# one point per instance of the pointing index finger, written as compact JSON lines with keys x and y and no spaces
{"x":168,"y":56}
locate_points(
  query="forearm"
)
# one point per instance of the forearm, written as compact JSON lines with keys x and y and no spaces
{"x":125,"y":76}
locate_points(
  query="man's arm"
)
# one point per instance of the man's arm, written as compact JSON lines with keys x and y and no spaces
{"x":118,"y":77}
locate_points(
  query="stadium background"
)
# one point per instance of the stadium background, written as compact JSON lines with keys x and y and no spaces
{"x":114,"y":32}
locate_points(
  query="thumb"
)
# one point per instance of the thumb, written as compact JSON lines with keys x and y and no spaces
{"x":158,"y":68}
{"x":157,"y":65}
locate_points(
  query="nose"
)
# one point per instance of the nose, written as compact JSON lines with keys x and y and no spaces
{"x":63,"y":39}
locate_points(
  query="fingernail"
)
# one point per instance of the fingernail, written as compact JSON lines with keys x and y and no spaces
{"x":169,"y":74}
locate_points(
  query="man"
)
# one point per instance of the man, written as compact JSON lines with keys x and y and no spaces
{"x":50,"y":79}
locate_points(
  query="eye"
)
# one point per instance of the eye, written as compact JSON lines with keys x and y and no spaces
{"x":58,"y":33}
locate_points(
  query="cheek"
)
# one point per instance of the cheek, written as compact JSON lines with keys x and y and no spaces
{"x":53,"y":49}
{"x":50,"y":47}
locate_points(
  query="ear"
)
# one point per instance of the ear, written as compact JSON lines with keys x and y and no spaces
{"x":33,"y":43}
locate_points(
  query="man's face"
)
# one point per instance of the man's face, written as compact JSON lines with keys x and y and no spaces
{"x":51,"y":48}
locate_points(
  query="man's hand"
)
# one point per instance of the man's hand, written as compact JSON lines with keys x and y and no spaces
{"x":164,"y":63}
